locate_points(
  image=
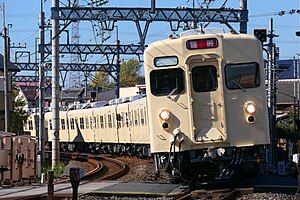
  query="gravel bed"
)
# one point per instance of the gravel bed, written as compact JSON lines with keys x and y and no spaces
{"x":141,"y":170}
{"x":267,"y":196}
{"x":75,"y":164}
{"x":89,"y":197}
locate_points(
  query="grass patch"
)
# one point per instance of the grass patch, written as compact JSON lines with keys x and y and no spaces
{"x":58,"y":169}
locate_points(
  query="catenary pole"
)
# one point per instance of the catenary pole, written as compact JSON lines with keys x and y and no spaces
{"x":55,"y":85}
{"x":244,"y":16}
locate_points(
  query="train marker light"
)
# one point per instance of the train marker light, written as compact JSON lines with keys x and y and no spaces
{"x":250,"y":107}
{"x":251,"y":119}
{"x":165,"y":114}
{"x":202,"y":43}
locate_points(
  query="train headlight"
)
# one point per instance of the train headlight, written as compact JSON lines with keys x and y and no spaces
{"x":250,"y":107}
{"x":165,"y":114}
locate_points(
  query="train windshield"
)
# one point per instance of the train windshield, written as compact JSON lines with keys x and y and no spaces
{"x":204,"y":78}
{"x":166,"y":82}
{"x":241,"y":76}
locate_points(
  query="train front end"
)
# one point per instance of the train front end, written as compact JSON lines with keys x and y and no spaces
{"x":206,"y":92}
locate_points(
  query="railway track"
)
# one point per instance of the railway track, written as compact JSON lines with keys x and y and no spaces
{"x":222,"y":194}
{"x":103,"y":167}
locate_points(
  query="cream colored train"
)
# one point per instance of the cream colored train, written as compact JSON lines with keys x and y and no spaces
{"x":205,"y":108}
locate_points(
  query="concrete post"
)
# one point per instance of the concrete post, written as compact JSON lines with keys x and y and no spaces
{"x":55,"y":85}
{"x":244,"y":16}
{"x":41,"y":88}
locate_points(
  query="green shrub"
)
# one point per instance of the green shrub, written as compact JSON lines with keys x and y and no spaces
{"x":58,"y":169}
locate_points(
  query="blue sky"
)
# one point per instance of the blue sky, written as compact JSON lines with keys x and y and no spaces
{"x":24,"y":17}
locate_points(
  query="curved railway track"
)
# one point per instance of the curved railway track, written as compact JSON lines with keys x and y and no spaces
{"x":103,"y":168}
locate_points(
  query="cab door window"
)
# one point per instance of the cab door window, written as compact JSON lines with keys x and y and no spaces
{"x":164,"y":81}
{"x":204,"y":78}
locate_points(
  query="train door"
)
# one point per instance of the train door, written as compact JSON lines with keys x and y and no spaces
{"x":206,"y":92}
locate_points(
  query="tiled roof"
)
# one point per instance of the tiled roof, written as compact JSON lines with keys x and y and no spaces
{"x":285,"y":91}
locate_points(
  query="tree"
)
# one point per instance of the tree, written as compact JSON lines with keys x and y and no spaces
{"x":129,"y":73}
{"x":287,"y":128}
{"x":19,"y":116}
{"x":101,"y":80}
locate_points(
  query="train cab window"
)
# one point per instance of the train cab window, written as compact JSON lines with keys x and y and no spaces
{"x":101,"y":122}
{"x":81,"y":123}
{"x":63,"y":124}
{"x":50,"y":124}
{"x":30,"y":125}
{"x":87,"y":123}
{"x":166,"y":81}
{"x":242,"y":75}
{"x":204,"y":78}
{"x":72,"y":123}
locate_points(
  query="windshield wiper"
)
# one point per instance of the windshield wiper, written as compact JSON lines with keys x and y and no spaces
{"x":171,"y":93}
{"x":239,"y":85}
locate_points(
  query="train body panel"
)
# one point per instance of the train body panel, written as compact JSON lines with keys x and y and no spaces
{"x":241,"y":132}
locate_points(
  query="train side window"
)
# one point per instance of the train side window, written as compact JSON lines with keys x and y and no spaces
{"x":135,"y":118}
{"x":113,"y":120}
{"x":166,"y":81}
{"x":127,"y":119}
{"x":97,"y":118}
{"x":131,"y":119}
{"x":101,"y":122}
{"x":105,"y":122}
{"x":63,"y":124}
{"x":142,"y":116}
{"x":242,"y":75}
{"x":91,"y":122}
{"x":123,"y":119}
{"x":109,"y":121}
{"x":72,"y":123}
{"x":87,"y":123}
{"x":50,"y":124}
{"x":81,"y":123}
{"x":145,"y":111}
{"x":95,"y":121}
{"x":30,"y":125}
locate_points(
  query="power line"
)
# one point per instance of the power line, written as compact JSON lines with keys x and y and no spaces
{"x":280,"y":13}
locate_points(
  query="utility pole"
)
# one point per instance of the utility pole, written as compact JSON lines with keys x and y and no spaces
{"x":41,"y":136}
{"x":55,"y":84}
{"x":272,"y":91}
{"x":6,"y":79}
{"x":244,"y":16}
{"x":118,"y":70}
